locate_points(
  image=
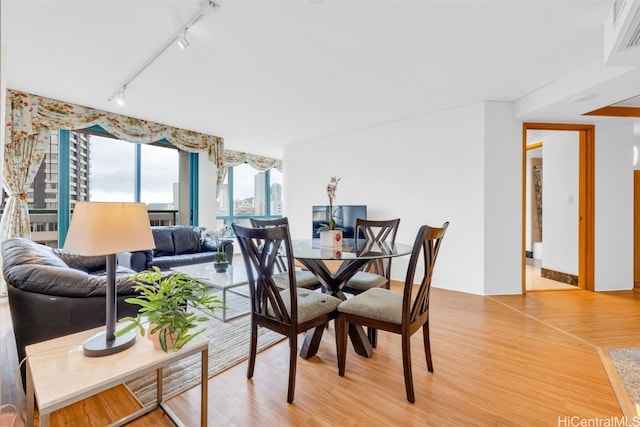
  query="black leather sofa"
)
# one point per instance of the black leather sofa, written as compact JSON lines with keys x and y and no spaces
{"x":54,"y":293}
{"x":176,"y":245}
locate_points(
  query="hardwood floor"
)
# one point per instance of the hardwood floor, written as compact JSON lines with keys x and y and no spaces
{"x":500,"y":360}
{"x":535,"y":281}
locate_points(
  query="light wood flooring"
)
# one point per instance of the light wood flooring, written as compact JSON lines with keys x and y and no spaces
{"x":535,"y":281}
{"x":499,"y":361}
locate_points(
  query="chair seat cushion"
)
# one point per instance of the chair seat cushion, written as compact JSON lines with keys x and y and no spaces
{"x":376,"y":303}
{"x":311,"y":304}
{"x":363,"y":281}
{"x":304,"y":279}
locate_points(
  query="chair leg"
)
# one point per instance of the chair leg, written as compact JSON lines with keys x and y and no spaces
{"x":253,"y":347}
{"x":293,"y":358}
{"x":342,"y":329}
{"x":406,"y":363}
{"x":372,"y":334}
{"x":427,"y":345}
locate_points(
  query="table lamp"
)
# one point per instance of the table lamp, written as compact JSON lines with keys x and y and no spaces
{"x":106,"y":228}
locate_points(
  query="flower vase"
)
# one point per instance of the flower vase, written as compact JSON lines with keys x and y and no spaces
{"x":331,"y":238}
{"x":221,"y":266}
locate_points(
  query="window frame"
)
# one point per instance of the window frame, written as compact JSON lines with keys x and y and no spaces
{"x":231,"y":217}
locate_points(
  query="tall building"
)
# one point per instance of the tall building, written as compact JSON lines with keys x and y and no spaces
{"x":276,"y":199}
{"x":223,"y":199}
{"x":43,"y":194}
{"x":259,"y":190}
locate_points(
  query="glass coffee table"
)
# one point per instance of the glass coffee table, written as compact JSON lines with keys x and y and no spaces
{"x":233,"y":282}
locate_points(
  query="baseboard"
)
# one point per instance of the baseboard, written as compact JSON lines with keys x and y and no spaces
{"x":559,"y":276}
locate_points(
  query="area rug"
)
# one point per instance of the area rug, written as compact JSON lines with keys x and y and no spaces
{"x":625,"y":377}
{"x":228,"y":346}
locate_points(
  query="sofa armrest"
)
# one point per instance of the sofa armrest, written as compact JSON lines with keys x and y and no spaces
{"x":209,"y":245}
{"x":227,"y":245}
{"x":136,"y":261}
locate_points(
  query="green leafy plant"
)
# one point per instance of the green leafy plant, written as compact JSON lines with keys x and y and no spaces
{"x":164,"y":302}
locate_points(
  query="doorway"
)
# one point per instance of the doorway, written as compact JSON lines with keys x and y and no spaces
{"x":585,"y":208}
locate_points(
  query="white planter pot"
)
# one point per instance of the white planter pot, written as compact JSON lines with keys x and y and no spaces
{"x":333,"y":253}
{"x":331,"y":238}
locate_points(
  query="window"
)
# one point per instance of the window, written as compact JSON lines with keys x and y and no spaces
{"x":102,"y":169}
{"x":113,"y":175}
{"x":249,"y":193}
{"x":159,"y":177}
{"x":112,"y":166}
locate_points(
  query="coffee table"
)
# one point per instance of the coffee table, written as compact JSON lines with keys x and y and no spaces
{"x":232,"y":281}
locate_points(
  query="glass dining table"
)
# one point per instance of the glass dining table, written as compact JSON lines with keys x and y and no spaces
{"x":333,"y":267}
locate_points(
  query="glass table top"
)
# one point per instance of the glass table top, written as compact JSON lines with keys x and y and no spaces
{"x":311,"y":249}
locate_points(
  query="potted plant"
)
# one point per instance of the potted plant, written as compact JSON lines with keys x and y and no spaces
{"x":167,"y":302}
{"x":330,"y":235}
{"x":220,"y":263}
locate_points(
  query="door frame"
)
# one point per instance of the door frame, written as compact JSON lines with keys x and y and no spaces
{"x":586,"y":198}
{"x":636,"y":228}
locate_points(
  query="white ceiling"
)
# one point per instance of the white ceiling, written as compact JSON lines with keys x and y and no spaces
{"x":263,"y":74}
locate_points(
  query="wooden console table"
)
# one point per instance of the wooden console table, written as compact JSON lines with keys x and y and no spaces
{"x":58,"y":373}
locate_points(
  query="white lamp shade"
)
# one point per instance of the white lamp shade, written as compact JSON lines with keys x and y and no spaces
{"x":102,"y":228}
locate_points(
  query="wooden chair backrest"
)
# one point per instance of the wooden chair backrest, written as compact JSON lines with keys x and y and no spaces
{"x":261,"y":249}
{"x":281,"y":263}
{"x":425,"y":247}
{"x":377,"y":232}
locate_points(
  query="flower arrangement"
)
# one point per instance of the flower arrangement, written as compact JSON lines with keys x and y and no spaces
{"x":331,"y":192}
{"x":217,"y":236}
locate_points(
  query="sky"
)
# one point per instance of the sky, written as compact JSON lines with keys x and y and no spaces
{"x":112,"y":166}
{"x":112,"y":173}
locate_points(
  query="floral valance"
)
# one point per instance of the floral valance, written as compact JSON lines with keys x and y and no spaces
{"x":29,"y":114}
{"x":234,"y":158}
{"x":261,"y":163}
{"x":32,"y":115}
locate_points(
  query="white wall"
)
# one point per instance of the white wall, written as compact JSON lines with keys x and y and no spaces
{"x":503,"y":200}
{"x":426,"y":170}
{"x":207,"y":204}
{"x":614,"y":204}
{"x":3,"y":100}
{"x":560,"y":201}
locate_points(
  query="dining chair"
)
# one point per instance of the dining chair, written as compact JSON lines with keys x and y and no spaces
{"x":304,"y":278}
{"x":288,"y":311}
{"x":400,"y":313}
{"x":377,"y":273}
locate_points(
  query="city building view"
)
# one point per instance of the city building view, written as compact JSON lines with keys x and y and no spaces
{"x":87,"y":183}
{"x":247,"y":192}
{"x":43,"y":194}
{"x":99,"y":170}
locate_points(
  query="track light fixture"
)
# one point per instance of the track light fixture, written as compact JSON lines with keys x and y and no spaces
{"x":120,"y":97}
{"x":182,"y":37}
{"x":183,"y":40}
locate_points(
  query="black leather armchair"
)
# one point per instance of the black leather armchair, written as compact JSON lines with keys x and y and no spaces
{"x":54,"y":293}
